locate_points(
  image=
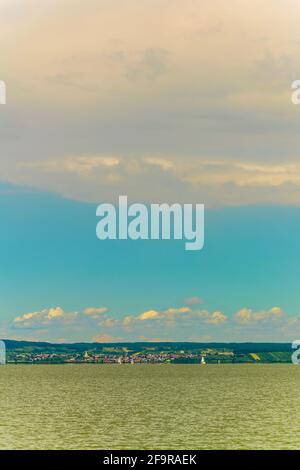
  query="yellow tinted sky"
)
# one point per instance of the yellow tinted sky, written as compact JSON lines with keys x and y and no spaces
{"x":187,"y":96}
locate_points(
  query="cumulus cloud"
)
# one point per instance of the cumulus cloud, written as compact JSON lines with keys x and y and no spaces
{"x":172,"y":315}
{"x":128,"y":321}
{"x":149,"y":315}
{"x":185,"y":323}
{"x":195,"y":300}
{"x":246,"y":316}
{"x":105,"y":338}
{"x":216,"y":318}
{"x":175,"y":311}
{"x":39,"y":318}
{"x":276,"y":311}
{"x":55,"y":313}
{"x":108,"y":322}
{"x":95,"y":311}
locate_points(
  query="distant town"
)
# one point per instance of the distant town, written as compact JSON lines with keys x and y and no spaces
{"x":22,"y":352}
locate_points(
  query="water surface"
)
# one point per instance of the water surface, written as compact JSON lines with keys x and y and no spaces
{"x":149,"y":407}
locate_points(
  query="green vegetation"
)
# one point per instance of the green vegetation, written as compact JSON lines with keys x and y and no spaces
{"x":177,"y":353}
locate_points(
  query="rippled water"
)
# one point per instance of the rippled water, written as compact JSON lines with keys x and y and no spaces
{"x":149,"y":407}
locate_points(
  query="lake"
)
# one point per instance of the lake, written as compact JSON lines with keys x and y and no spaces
{"x":150,"y":407}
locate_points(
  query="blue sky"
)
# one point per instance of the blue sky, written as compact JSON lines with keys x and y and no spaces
{"x":50,"y":257}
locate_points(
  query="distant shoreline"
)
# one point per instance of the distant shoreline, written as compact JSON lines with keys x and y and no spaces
{"x":24,"y":352}
{"x":143,"y":364}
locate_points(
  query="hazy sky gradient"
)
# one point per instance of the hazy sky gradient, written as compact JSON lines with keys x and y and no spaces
{"x":191,"y":99}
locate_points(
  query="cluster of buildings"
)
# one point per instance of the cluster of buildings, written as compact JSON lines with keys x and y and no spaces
{"x":18,"y":352}
{"x":103,"y":358}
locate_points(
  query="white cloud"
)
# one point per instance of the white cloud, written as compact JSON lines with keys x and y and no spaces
{"x":105,"y":338}
{"x":108,"y":323}
{"x":149,"y":315}
{"x":185,"y":323}
{"x":128,"y":321}
{"x":173,"y":316}
{"x":217,"y":318}
{"x":42,"y":317}
{"x":276,"y":311}
{"x":55,"y":313}
{"x":195,"y":300}
{"x":95,"y":311}
{"x":246,"y":316}
{"x":176,"y":311}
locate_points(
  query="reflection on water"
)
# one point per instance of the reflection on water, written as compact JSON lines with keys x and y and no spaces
{"x":149,"y":407}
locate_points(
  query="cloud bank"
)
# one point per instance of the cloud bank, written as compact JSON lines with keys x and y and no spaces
{"x":185,"y":323}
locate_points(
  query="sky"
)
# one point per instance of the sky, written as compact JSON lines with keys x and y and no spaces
{"x":164,"y":101}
